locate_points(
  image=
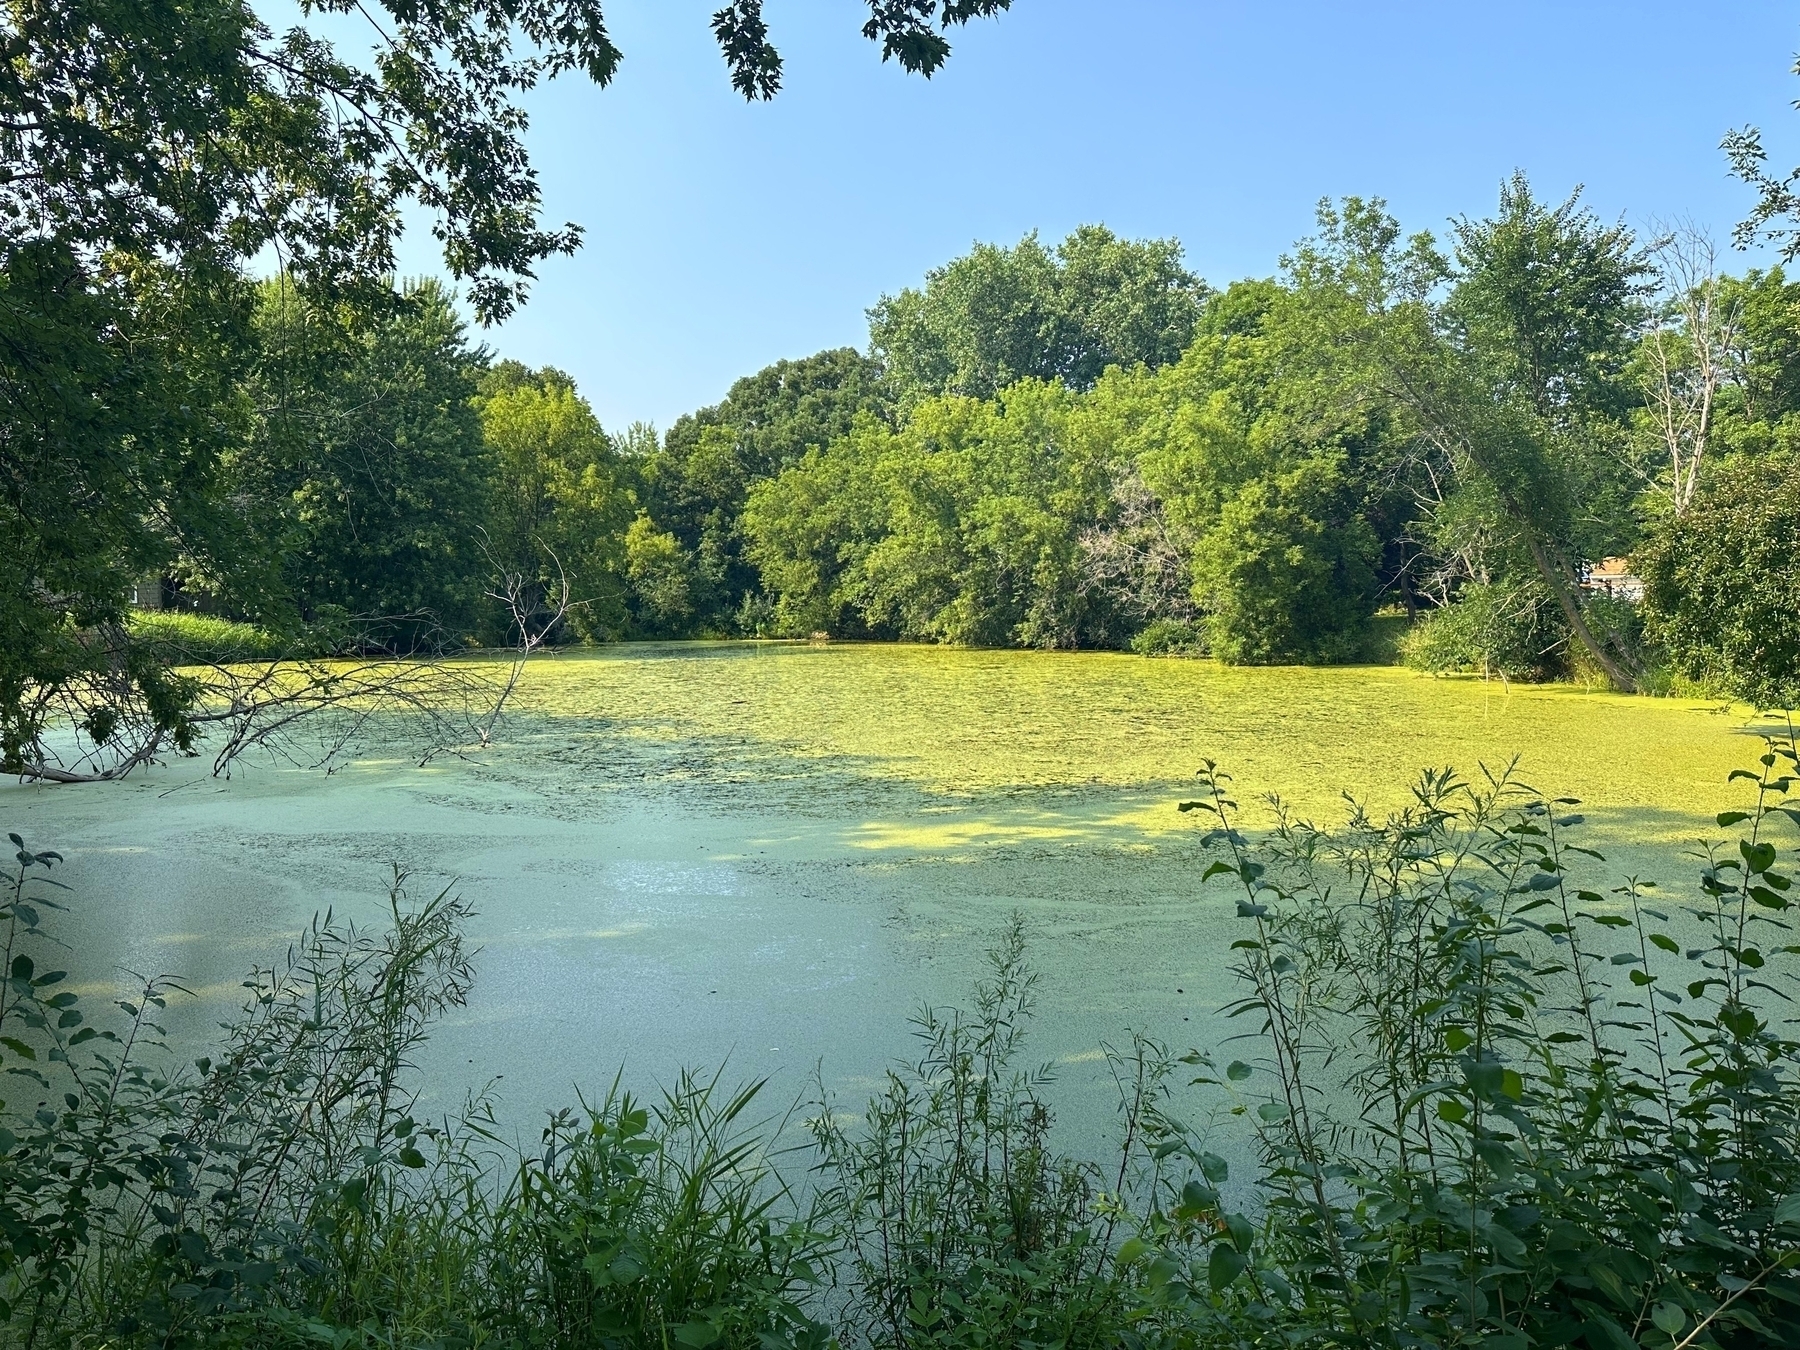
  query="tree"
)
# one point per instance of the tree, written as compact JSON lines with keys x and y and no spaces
{"x":558,"y":503}
{"x":1722,"y":586}
{"x":1288,"y":572}
{"x":997,"y":315}
{"x":767,"y":422}
{"x":149,"y":154}
{"x":1510,"y":364}
{"x":1685,"y":360}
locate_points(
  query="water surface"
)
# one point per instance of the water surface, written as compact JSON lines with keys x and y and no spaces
{"x":770,"y":854}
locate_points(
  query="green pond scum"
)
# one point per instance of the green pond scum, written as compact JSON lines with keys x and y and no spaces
{"x":770,"y":854}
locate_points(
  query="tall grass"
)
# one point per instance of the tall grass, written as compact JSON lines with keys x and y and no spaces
{"x":1496,"y":1104}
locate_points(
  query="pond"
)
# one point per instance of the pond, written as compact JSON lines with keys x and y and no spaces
{"x":767,"y":855}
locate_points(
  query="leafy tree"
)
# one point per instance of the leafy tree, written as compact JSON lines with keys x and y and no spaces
{"x":148,"y":154}
{"x":1287,"y":574}
{"x":998,"y":315}
{"x":372,"y":456}
{"x":961,"y":526}
{"x":659,"y":570}
{"x":1722,"y":585}
{"x":768,"y":421}
{"x":1511,"y":364}
{"x":558,"y":503}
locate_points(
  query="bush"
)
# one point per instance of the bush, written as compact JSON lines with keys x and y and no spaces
{"x":1504,"y":1108}
{"x":201,"y":639}
{"x":1722,"y":584}
{"x":1288,"y":572}
{"x":1171,"y":637}
{"x":1513,"y":630}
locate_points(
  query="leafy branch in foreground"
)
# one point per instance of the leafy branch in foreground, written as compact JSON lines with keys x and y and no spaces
{"x":1485,"y":1125}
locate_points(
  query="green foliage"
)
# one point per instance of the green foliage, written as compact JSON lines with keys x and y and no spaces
{"x":1171,"y":637}
{"x":557,"y":503}
{"x":998,"y":315}
{"x":182,"y":639}
{"x":660,"y":571}
{"x":1498,"y":1106}
{"x":962,"y":1226}
{"x":1287,"y":574}
{"x":370,"y":465}
{"x":698,"y":485}
{"x":1722,"y":586}
{"x":959,"y":527}
{"x":1511,"y":630}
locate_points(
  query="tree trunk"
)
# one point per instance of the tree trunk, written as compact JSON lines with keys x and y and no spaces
{"x":1565,"y":596}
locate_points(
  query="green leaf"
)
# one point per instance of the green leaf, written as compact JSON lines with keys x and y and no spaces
{"x":1237,"y":1071}
{"x":1759,"y":857}
{"x":1451,"y":1110}
{"x":1731,"y":818}
{"x":1669,"y":1317}
{"x":697,"y":1334}
{"x":1788,"y":1211}
{"x":1272,"y":1111}
{"x":1223,"y":1266}
{"x":1131,"y":1250}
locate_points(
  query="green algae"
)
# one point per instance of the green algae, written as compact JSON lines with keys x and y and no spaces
{"x":771,"y":852}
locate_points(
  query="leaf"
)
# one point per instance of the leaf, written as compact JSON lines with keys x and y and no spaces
{"x":1788,"y":1211}
{"x":1759,"y":857}
{"x":1237,"y":1071}
{"x":1451,"y":1110}
{"x":1669,"y":1317}
{"x":697,"y":1334}
{"x":1511,"y":1084}
{"x":1272,"y":1111}
{"x":1727,"y":818}
{"x":1223,"y":1266}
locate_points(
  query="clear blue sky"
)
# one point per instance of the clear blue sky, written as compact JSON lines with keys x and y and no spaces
{"x":722,"y":236}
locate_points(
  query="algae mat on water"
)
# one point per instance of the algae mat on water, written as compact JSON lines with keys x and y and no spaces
{"x":688,"y":852}
{"x":994,"y":729}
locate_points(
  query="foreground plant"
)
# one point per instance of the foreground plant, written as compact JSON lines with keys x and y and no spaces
{"x":1508,"y":1109}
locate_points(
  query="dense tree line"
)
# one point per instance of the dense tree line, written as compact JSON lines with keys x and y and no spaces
{"x":1455,"y":429}
{"x":1085,"y":446}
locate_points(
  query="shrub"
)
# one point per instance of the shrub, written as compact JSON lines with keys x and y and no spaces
{"x":1503,"y":1108}
{"x":1288,"y":572}
{"x":1513,"y":630}
{"x":1171,"y":637}
{"x":1722,"y":585}
{"x":201,"y":639}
